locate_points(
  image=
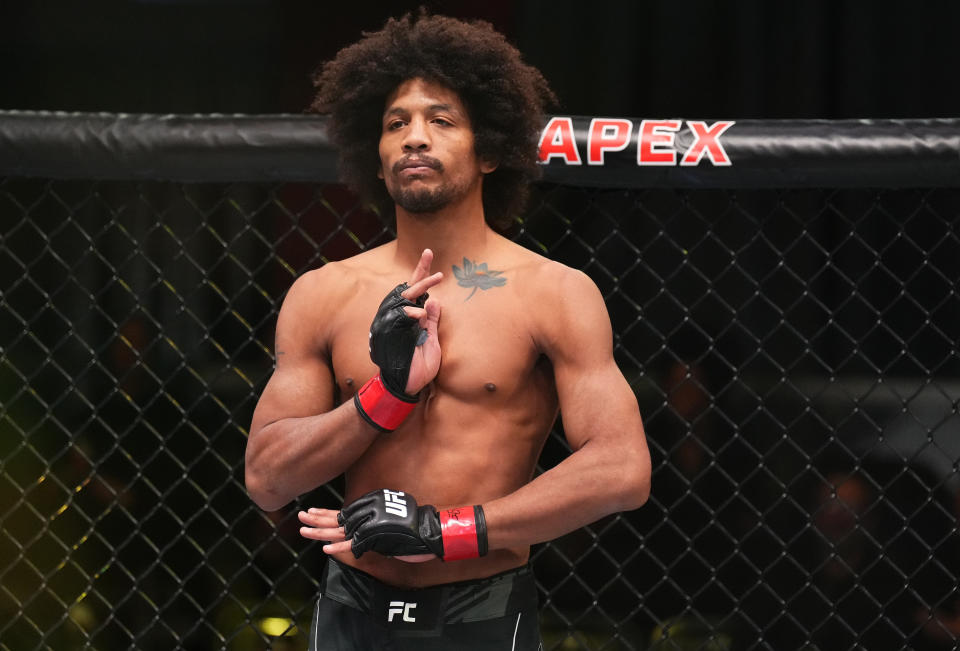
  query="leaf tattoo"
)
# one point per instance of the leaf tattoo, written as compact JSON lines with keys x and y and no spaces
{"x":477,"y":276}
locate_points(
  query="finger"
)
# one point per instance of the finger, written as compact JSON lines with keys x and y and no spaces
{"x":318,"y":518}
{"x":314,"y":514}
{"x":423,"y":320}
{"x":432,"y":308}
{"x":422,"y":269}
{"x":338,"y":547}
{"x":421,"y":286}
{"x":326,"y":534}
{"x":417,"y":313}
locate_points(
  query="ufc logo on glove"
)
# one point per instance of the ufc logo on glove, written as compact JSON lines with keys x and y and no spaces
{"x":395,"y":503}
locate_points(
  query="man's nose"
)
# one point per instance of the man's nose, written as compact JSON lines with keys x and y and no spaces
{"x":416,"y":136}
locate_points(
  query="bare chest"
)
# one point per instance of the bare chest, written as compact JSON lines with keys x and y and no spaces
{"x":488,"y":349}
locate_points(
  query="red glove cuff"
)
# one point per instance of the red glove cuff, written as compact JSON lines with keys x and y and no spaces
{"x":464,"y":531}
{"x":380,"y":407}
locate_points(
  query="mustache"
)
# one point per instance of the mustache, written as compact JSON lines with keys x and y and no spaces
{"x":419,"y":160}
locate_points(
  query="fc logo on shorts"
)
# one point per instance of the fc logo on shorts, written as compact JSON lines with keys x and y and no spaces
{"x":395,"y":503}
{"x":401,"y":607}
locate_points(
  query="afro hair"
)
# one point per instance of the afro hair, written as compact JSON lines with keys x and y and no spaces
{"x":504,"y":97}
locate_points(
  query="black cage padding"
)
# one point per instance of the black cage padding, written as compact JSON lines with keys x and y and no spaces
{"x":223,"y":148}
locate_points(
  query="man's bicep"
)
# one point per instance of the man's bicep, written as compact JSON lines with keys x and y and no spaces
{"x":596,"y":400}
{"x":295,"y":390}
{"x":302,"y":383}
{"x":600,"y":405}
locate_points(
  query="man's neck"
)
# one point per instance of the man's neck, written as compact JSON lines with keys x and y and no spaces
{"x":456,"y":232}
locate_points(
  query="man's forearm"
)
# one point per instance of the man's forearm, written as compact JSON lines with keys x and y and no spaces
{"x":291,"y":456}
{"x":595,"y":481}
{"x":583,"y":488}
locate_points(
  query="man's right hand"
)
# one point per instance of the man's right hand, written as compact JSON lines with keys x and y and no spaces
{"x":404,"y":345}
{"x":403,"y":335}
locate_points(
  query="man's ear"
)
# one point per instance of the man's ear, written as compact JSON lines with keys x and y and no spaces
{"x":380,"y":171}
{"x":487,"y":166}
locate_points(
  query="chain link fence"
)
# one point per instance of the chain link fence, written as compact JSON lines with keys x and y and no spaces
{"x":793,"y":351}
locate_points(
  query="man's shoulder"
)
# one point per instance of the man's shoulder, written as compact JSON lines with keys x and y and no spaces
{"x":546,"y":276}
{"x":368,"y":261}
{"x":341,"y":277}
{"x":325,"y":296}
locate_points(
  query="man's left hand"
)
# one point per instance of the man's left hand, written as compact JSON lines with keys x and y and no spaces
{"x":368,"y":525}
{"x":390,"y":523}
{"x":321,"y":524}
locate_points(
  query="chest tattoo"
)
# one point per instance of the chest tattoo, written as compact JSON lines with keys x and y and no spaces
{"x":477,"y":276}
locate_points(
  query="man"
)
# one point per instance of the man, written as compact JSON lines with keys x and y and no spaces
{"x":446,"y":400}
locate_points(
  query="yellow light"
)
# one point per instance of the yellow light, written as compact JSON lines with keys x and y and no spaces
{"x":278,"y":626}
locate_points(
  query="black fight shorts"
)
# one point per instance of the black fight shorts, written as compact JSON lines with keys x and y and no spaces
{"x":355,"y":612}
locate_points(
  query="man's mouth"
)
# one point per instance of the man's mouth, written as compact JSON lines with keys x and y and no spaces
{"x":417,"y":165}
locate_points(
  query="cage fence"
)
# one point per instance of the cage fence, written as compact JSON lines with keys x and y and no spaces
{"x":793,"y":351}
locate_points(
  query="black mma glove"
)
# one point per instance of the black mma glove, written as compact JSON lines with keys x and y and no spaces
{"x":390,"y":523}
{"x":383,"y":401}
{"x":393,"y":336}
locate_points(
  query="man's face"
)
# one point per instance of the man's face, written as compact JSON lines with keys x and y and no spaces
{"x":427,"y":157}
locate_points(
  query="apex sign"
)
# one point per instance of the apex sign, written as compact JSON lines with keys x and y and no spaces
{"x":656,"y":141}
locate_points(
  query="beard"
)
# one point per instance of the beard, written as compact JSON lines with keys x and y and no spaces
{"x":423,"y":201}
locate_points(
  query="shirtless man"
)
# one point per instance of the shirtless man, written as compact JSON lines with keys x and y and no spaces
{"x":475,"y":355}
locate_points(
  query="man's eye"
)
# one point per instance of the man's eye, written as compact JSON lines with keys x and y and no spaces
{"x":395,"y":124}
{"x":443,"y":122}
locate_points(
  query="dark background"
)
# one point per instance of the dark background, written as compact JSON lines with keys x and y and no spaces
{"x":815,"y":327}
{"x":657,"y":58}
